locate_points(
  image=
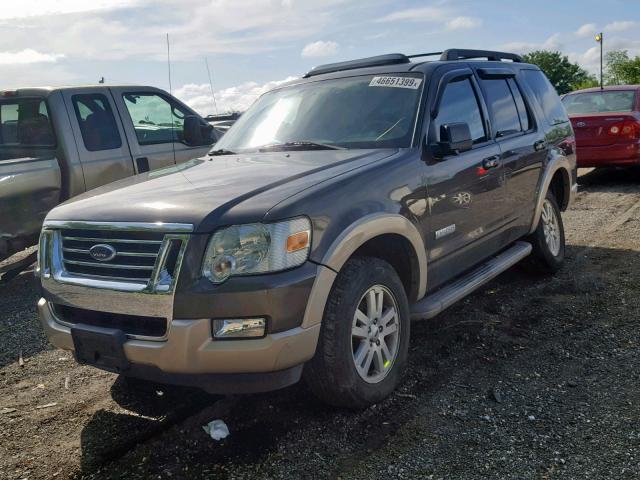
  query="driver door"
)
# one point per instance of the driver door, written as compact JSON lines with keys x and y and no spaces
{"x":154,"y":123}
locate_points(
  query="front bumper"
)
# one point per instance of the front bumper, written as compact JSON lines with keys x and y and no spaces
{"x":190,"y":356}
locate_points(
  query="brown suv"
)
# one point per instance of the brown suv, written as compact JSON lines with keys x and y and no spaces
{"x":336,"y":209}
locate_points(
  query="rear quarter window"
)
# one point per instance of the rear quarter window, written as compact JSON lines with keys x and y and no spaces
{"x":546,"y":96}
{"x":25,"y":121}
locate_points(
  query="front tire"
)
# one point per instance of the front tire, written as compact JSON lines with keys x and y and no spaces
{"x":364,"y":339}
{"x":548,"y":239}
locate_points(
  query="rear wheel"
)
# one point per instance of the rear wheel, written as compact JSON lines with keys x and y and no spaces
{"x":362,"y":350}
{"x":548,"y":240}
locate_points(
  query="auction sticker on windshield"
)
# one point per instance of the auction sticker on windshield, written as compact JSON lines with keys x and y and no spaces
{"x":396,"y":82}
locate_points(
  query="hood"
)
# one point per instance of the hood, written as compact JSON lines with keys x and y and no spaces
{"x":210,"y":188}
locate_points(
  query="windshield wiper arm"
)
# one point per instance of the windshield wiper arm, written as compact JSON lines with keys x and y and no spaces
{"x":221,"y":151}
{"x":301,"y":145}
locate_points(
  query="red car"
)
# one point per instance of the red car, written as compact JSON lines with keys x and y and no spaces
{"x":606,"y":125}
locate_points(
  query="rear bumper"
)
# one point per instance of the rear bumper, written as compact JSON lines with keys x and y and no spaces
{"x":608,"y":155}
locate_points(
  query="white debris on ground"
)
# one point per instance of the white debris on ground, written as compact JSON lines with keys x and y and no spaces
{"x":216,"y":429}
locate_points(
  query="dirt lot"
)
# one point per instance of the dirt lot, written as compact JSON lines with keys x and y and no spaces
{"x":528,"y":378}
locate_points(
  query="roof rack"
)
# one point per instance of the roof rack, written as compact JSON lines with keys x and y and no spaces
{"x":399,"y":58}
{"x":431,"y":54}
{"x":377,"y":61}
{"x":462,"y":54}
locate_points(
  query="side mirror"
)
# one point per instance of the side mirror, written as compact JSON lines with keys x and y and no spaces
{"x":454,"y":138}
{"x":196,"y":132}
{"x":192,"y":131}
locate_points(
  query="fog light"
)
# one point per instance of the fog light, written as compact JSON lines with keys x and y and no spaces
{"x":239,"y":328}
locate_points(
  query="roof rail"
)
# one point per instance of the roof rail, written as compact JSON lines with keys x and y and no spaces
{"x":431,"y":54}
{"x":462,"y":54}
{"x":377,"y":61}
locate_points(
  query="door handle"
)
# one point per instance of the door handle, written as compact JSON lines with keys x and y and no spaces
{"x":539,"y":145}
{"x":491,"y":162}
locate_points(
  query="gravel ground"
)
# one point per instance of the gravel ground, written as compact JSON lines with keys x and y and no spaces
{"x":530,"y":377}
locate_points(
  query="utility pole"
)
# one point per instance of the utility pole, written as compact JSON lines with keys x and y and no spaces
{"x":600,"y":40}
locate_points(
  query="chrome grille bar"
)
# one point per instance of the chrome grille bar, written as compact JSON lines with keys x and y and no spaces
{"x":140,"y":262}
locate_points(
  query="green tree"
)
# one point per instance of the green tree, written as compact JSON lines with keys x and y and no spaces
{"x":562,"y":73}
{"x":621,"y":69}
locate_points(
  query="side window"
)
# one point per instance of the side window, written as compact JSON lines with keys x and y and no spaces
{"x":546,"y":96}
{"x":460,"y":104}
{"x":97,"y":123}
{"x":25,"y":122}
{"x":523,"y":111}
{"x":155,"y":119}
{"x":503,"y":106}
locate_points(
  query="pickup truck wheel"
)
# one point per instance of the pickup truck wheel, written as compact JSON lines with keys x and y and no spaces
{"x":364,"y":339}
{"x":548,"y":240}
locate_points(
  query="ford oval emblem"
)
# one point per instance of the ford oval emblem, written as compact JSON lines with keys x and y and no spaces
{"x":102,"y":252}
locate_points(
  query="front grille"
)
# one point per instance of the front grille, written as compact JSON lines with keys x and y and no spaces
{"x":129,"y":324}
{"x":134,"y":261}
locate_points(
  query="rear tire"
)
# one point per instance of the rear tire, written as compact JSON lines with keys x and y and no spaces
{"x":364,"y":339}
{"x":548,"y":239}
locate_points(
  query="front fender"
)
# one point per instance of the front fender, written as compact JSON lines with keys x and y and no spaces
{"x":352,"y":238}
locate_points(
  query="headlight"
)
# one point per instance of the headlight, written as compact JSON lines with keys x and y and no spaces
{"x":257,"y":248}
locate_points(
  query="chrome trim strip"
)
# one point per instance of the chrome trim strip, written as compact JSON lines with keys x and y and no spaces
{"x":121,"y":254}
{"x":110,"y":265}
{"x":126,"y":226}
{"x":111,"y":240}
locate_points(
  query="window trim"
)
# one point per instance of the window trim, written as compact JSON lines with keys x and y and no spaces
{"x":442,"y":83}
{"x":168,"y":99}
{"x":54,"y":145}
{"x":495,"y":132}
{"x":533,"y":123}
{"x":76,"y":110}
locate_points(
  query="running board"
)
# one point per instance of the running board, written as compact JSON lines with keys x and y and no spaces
{"x":433,"y":304}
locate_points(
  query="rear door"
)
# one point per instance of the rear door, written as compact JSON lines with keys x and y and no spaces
{"x":154,"y":123}
{"x":100,"y":139}
{"x":522,"y":145}
{"x":465,"y":191}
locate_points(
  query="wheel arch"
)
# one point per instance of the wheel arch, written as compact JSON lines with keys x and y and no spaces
{"x":557,"y":178}
{"x":366,"y":236}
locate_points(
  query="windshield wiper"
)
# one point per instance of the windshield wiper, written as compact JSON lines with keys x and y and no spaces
{"x":299,"y":145}
{"x":221,"y":151}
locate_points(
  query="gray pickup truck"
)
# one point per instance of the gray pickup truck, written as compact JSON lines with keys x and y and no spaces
{"x":338,"y":208}
{"x":58,"y":142}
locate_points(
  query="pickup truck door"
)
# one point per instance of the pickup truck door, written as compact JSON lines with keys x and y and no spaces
{"x":522,"y":145}
{"x":99,"y":135}
{"x":154,"y":122}
{"x":465,"y":190}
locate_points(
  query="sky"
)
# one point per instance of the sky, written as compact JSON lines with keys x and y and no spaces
{"x":253,"y":45}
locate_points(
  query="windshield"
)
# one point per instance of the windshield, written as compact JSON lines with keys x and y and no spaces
{"x":356,"y":112}
{"x":599,"y":102}
{"x":25,"y":122}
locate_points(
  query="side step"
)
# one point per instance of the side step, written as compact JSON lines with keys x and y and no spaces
{"x":433,"y":304}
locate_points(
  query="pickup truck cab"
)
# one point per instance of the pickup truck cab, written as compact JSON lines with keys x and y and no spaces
{"x":336,"y":209}
{"x":56,"y":143}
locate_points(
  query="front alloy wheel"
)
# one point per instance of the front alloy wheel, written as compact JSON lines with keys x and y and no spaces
{"x":364,"y":339}
{"x":375,"y":334}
